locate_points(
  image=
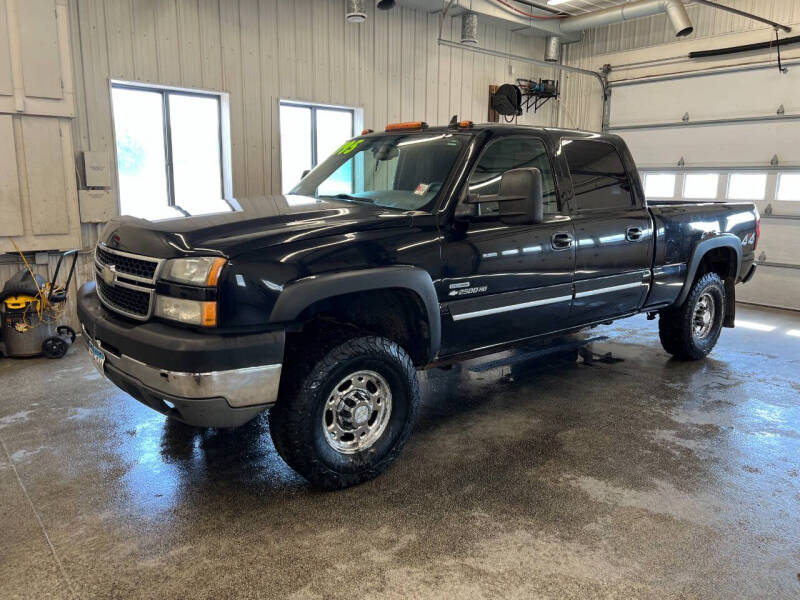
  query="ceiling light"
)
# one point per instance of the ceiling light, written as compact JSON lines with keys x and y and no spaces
{"x":556,"y":2}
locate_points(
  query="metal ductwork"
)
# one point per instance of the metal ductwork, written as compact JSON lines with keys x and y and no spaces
{"x":552,"y":49}
{"x":675,"y":10}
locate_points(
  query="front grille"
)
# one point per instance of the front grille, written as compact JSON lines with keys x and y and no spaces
{"x":125,"y":300}
{"x":126,"y":282}
{"x":142,"y":267}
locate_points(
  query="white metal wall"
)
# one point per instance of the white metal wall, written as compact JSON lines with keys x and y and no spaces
{"x":652,"y":38}
{"x":261,"y":51}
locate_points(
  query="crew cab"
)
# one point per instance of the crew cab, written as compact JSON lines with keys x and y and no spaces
{"x":406,"y":249}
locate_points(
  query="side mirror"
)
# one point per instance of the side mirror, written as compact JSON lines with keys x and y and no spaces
{"x":306,"y":172}
{"x":520,"y":197}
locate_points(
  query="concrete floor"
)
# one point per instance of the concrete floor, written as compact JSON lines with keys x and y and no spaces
{"x":527,"y":476}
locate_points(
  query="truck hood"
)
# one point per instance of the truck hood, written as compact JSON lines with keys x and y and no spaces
{"x":261,"y":222}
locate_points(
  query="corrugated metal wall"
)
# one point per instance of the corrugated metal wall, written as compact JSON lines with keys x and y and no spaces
{"x":582,"y":105}
{"x":261,"y":51}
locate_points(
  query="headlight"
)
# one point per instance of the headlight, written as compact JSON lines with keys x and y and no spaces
{"x":191,"y":312}
{"x":203,"y":270}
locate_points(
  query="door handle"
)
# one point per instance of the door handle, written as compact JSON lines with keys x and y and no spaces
{"x":561,"y":240}
{"x":633,"y":234}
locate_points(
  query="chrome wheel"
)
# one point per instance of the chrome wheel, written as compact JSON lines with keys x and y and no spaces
{"x":356,"y":412}
{"x":703,"y":317}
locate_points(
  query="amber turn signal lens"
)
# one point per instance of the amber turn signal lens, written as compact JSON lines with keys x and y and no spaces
{"x":209,"y":317}
{"x":465,"y":124}
{"x":214,"y":271}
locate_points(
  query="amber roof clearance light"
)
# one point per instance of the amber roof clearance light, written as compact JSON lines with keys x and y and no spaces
{"x":406,"y":126}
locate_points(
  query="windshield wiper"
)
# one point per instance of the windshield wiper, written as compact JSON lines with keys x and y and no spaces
{"x":354,"y":198}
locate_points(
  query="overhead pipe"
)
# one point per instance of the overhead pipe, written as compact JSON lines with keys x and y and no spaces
{"x":515,"y":57}
{"x":674,"y":9}
{"x":744,"y":14}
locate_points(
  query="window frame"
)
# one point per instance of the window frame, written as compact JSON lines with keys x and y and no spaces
{"x":729,"y":179}
{"x":782,"y":207}
{"x":577,"y":208}
{"x":553,"y":173}
{"x":676,"y":180}
{"x":224,"y":136}
{"x":778,"y":185}
{"x":357,"y":120}
{"x":722,"y":183}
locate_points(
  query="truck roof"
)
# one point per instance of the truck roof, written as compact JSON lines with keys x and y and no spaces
{"x":551,"y":132}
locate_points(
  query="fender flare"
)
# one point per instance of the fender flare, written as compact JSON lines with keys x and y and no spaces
{"x":724,"y":240}
{"x":302,"y":293}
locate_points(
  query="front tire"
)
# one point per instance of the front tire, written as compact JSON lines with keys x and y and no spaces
{"x":690,"y":331}
{"x":343,"y":419}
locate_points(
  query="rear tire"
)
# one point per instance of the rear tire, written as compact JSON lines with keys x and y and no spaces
{"x":343,"y":419}
{"x":690,"y":331}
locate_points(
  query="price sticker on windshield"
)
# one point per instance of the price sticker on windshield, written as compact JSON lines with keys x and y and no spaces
{"x":349,"y":146}
{"x":421,"y":189}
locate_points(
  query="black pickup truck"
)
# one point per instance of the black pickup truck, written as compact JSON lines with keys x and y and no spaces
{"x":406,"y":249}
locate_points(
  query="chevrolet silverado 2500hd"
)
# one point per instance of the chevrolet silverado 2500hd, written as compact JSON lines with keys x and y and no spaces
{"x":405,"y":249}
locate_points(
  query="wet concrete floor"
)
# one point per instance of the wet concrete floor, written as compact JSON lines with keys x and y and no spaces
{"x":578,"y":474}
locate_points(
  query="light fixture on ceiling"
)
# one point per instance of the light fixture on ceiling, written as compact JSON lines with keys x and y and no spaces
{"x":385,"y":4}
{"x":469,"y":29}
{"x":556,"y":2}
{"x":354,"y":11}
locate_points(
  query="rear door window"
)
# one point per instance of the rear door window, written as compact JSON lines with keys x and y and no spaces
{"x":599,"y":178}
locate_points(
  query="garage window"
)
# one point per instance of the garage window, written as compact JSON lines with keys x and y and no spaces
{"x":747,"y":186}
{"x":659,"y":185}
{"x":788,"y":187}
{"x":309,"y":134}
{"x":169,"y":145}
{"x":701,"y":186}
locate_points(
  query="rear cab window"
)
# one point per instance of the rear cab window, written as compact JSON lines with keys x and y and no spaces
{"x":599,"y":177}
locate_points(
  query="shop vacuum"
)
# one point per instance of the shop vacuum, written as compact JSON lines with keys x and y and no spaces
{"x":30,"y":308}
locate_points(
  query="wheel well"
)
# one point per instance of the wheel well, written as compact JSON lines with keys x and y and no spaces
{"x":397,"y":314}
{"x":723,"y":262}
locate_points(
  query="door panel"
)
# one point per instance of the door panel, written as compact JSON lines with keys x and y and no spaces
{"x":612,"y":268}
{"x":614,"y":233}
{"x":505,"y":283}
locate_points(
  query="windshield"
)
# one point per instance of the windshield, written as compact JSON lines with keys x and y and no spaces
{"x":405,"y":171}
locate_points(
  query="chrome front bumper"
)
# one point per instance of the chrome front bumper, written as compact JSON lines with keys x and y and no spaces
{"x":246,"y":387}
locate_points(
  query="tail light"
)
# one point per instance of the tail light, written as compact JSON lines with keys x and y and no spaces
{"x":758,"y":230}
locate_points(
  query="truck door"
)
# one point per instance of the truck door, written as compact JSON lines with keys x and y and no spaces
{"x":613,"y":231}
{"x":506,"y":282}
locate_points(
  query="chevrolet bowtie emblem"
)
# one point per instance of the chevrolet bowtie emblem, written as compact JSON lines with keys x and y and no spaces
{"x":109,"y":274}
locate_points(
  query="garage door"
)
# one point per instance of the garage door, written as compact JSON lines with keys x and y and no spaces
{"x":727,"y":135}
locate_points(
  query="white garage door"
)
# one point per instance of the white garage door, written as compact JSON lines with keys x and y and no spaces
{"x":725,"y":136}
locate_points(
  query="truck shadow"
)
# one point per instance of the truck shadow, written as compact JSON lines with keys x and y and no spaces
{"x":245,"y":456}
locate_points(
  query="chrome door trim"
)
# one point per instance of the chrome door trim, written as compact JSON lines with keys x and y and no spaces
{"x":510,"y":307}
